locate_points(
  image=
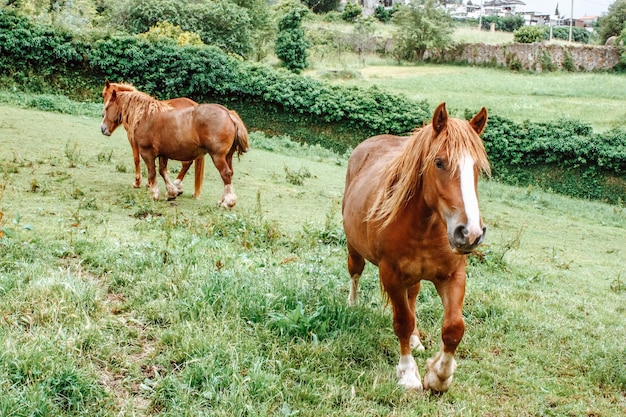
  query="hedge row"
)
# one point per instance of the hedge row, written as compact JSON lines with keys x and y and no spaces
{"x":44,"y":60}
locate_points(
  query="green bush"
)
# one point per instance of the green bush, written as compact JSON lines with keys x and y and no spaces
{"x":291,"y":45}
{"x":529,"y":34}
{"x":503,"y":24}
{"x":351,"y":11}
{"x":580,"y":35}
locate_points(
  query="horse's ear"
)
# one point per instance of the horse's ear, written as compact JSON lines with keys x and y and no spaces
{"x":107,"y":83}
{"x":440,"y":118}
{"x":479,"y":121}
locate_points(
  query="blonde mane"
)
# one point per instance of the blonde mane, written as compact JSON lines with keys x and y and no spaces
{"x":135,"y":106}
{"x":401,"y":177}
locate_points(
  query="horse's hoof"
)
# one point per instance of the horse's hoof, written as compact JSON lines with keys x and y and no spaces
{"x":433,"y":383}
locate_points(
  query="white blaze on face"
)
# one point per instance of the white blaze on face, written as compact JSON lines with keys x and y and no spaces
{"x":470,"y":199}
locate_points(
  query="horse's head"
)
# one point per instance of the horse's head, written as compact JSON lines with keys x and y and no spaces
{"x":450,"y":176}
{"x":111,"y":115}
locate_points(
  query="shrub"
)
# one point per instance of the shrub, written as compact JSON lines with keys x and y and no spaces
{"x":503,"y":24}
{"x":351,"y":11}
{"x":580,"y":35}
{"x":291,"y":44}
{"x":529,"y":34}
{"x":166,"y":30}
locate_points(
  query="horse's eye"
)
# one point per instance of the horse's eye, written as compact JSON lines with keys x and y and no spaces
{"x":440,"y":164}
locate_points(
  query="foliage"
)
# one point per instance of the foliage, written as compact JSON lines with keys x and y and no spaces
{"x":580,"y":35}
{"x":621,"y":42}
{"x":421,"y":28}
{"x":384,"y":14}
{"x":503,"y":24}
{"x":529,"y":34}
{"x":351,"y":11}
{"x":166,"y":30}
{"x":76,"y":15}
{"x":322,"y":6}
{"x":291,"y":44}
{"x":222,"y":23}
{"x":614,"y":21}
{"x":547,"y":153}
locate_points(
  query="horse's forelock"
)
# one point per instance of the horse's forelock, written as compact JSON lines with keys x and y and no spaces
{"x":458,"y":139}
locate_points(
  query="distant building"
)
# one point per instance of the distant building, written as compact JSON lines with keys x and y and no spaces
{"x":503,"y":8}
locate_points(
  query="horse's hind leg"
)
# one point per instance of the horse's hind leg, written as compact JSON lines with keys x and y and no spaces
{"x":415,"y":341}
{"x":172,"y":190}
{"x":228,"y":198}
{"x":198,"y":177}
{"x":356,"y":264}
{"x":441,"y":367}
{"x":178,"y":182}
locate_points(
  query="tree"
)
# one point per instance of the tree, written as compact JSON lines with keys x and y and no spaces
{"x":421,"y":27}
{"x":291,"y":45}
{"x":613,"y":23}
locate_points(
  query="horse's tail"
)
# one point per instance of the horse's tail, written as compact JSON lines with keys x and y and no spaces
{"x":198,"y":176}
{"x":241,"y":142}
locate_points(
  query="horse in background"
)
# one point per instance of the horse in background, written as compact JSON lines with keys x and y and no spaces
{"x":411,"y":207}
{"x":182,"y":134}
{"x":177,"y":103}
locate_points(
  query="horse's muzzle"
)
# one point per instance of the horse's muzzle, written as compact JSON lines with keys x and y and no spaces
{"x":461,"y":241}
{"x":105,"y":130}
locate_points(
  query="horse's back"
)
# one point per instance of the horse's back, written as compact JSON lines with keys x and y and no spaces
{"x":181,"y":102}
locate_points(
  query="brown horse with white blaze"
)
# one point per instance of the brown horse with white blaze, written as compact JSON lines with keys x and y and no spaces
{"x":176,"y":103}
{"x":181,"y":134}
{"x":411,"y":207}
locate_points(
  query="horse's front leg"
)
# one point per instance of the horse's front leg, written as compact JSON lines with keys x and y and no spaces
{"x":416,"y":343}
{"x":441,"y":367}
{"x":171,"y":189}
{"x":152,"y":183}
{"x":228,"y":198}
{"x":403,"y":325}
{"x":136,"y":161}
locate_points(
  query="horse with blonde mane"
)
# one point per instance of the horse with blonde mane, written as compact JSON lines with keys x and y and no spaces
{"x":411,"y":207}
{"x":186,"y":134}
{"x":177,"y":103}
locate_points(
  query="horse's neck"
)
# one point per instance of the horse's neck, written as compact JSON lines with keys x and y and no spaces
{"x":135,"y":111}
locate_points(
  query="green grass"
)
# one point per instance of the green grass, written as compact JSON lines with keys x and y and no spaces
{"x":593,"y":98}
{"x":115,"y":305}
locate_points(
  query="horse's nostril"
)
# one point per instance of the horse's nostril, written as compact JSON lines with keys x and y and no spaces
{"x":460,"y":236}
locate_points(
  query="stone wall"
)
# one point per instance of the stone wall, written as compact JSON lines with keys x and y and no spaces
{"x":534,"y":57}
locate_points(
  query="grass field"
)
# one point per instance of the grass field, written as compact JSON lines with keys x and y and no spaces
{"x":593,"y":98}
{"x":114,"y":305}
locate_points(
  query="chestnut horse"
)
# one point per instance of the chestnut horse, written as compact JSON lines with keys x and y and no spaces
{"x":182,"y":134}
{"x":177,"y":103}
{"x":411,"y":207}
